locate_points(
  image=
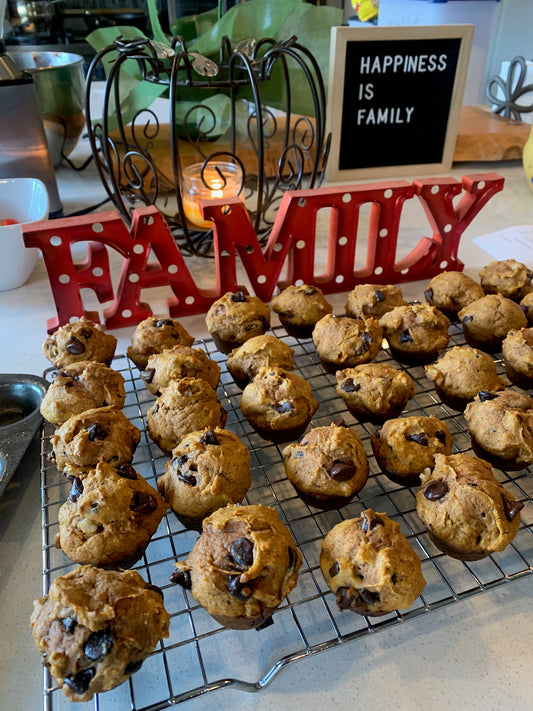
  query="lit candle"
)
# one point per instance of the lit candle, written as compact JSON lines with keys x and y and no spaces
{"x":217,"y":180}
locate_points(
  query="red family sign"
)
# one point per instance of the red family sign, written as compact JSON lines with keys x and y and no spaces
{"x":293,"y":238}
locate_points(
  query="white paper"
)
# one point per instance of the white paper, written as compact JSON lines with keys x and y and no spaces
{"x":512,"y":242}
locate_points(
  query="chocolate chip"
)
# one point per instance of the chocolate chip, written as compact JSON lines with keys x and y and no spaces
{"x":75,"y":346}
{"x":242,"y":552}
{"x":441,"y":436}
{"x":308,"y":290}
{"x":428,"y":294}
{"x":98,"y":644}
{"x":181,"y":577}
{"x":334,"y":570}
{"x":163,"y":322}
{"x":239,"y":297}
{"x":132,"y":667}
{"x":209,"y":437}
{"x":155,"y":408}
{"x":126,"y":471}
{"x":85,"y":333}
{"x":344,"y":598}
{"x":267,"y":623}
{"x":180,"y":461}
{"x":435,"y":490}
{"x":293,"y":558}
{"x":467,"y":319}
{"x":339,"y":422}
{"x":379,"y":296}
{"x":155,"y":589}
{"x":69,"y":623}
{"x":418,"y":437}
{"x":394,"y":578}
{"x":79,"y":683}
{"x":348,"y":386}
{"x":60,"y":374}
{"x":237,"y":589}
{"x":147,"y":375}
{"x":525,"y":308}
{"x":511,"y":507}
{"x":341,"y":471}
{"x":97,"y":431}
{"x":143,"y":503}
{"x":187,"y":478}
{"x":484,"y":395}
{"x":405,"y":336}
{"x":368,"y":597}
{"x":283,"y":407}
{"x":76,"y":490}
{"x":368,"y":523}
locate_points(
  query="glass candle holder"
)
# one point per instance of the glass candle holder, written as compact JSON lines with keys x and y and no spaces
{"x":208,"y":182}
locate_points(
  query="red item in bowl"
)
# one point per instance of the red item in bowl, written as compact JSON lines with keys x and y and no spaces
{"x":8,"y":221}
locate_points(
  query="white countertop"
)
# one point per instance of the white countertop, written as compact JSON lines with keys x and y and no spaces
{"x":475,"y":654}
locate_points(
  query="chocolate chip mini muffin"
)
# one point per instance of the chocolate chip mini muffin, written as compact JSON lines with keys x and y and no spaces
{"x":184,"y":406}
{"x":461,"y":373}
{"x":416,"y":333}
{"x":344,"y":342}
{"x":242,"y":566}
{"x":450,"y":292}
{"x":278,"y":404}
{"x":526,"y":305}
{"x":176,"y":363}
{"x":299,"y":308}
{"x":501,"y":428}
{"x":81,"y":340}
{"x":369,"y":565}
{"x":153,"y":335}
{"x":328,"y":467}
{"x":373,"y":300}
{"x":79,"y":387}
{"x":96,"y":627}
{"x":102,"y":434}
{"x":517,"y":350}
{"x":488,"y":320}
{"x":375,"y":391}
{"x":267,"y":350}
{"x":468,"y":513}
{"x":208,"y":470}
{"x":507,"y":277}
{"x":109,"y":517}
{"x":236,"y":317}
{"x":405,"y":446}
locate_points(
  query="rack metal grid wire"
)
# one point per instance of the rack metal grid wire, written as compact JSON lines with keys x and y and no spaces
{"x":201,"y":656}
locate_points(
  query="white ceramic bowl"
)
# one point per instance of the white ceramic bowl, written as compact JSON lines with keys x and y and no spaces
{"x":25,"y":200}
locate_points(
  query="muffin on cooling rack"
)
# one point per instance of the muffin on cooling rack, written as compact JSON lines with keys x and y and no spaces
{"x":405,"y":446}
{"x":488,"y":320}
{"x":153,"y":335}
{"x":517,"y":350}
{"x":299,"y":308}
{"x":344,"y":342}
{"x":242,"y":566}
{"x":95,"y":628}
{"x":328,"y":467}
{"x":184,"y":406}
{"x":208,"y":470}
{"x":79,"y":387}
{"x":375,"y":391}
{"x":501,"y":428}
{"x":176,"y":363}
{"x":507,"y":277}
{"x":278,"y":404}
{"x":416,"y":333}
{"x":461,"y":373}
{"x":244,"y":362}
{"x":102,"y":434}
{"x":373,"y":300}
{"x":369,"y":565}
{"x":80,"y":340}
{"x":449,"y":292}
{"x":236,"y":317}
{"x":526,"y":304}
{"x":109,"y":517}
{"x":468,"y":513}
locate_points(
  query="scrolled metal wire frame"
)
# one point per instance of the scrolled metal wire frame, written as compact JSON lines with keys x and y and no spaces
{"x":123,"y":145}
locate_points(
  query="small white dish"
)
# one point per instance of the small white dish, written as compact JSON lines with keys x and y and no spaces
{"x":24,"y":200}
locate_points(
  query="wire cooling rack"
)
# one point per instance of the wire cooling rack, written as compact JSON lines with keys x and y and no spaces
{"x":200,"y":656}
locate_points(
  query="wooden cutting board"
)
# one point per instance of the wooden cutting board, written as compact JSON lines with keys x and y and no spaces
{"x":485,"y":136}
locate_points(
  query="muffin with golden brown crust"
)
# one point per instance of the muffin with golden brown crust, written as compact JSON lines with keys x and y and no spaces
{"x":344,"y":342}
{"x":153,"y":335}
{"x":405,"y":446}
{"x":368,"y":564}
{"x":449,"y":292}
{"x":176,"y":363}
{"x":208,"y":470}
{"x":278,"y":404}
{"x":488,"y":320}
{"x":461,"y":373}
{"x":242,"y":566}
{"x":416,"y":333}
{"x":328,"y":467}
{"x":468,"y":512}
{"x":299,"y":308}
{"x":375,"y":392}
{"x":236,"y":317}
{"x":95,"y":628}
{"x":77,"y":341}
{"x":373,"y":300}
{"x":526,"y":304}
{"x":517,"y":350}
{"x":267,"y":350}
{"x":501,"y":428}
{"x":507,"y":277}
